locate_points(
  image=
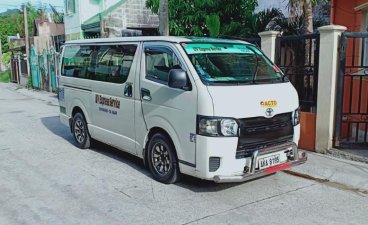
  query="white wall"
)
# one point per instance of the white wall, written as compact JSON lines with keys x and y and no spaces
{"x":84,"y":9}
{"x":72,"y":21}
{"x":89,"y":9}
{"x":108,"y":3}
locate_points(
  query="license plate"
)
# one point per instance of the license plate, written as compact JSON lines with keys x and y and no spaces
{"x":269,"y":161}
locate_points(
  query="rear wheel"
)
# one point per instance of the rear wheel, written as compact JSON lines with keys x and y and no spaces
{"x":162,"y":160}
{"x":80,"y":131}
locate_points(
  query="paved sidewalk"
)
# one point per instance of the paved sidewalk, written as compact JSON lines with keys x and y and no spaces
{"x":352,"y":175}
{"x":358,"y":155}
{"x":48,"y":97}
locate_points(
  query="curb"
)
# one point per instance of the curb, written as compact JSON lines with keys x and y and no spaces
{"x":345,"y":155}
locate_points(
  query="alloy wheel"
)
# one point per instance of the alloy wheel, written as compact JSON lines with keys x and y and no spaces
{"x":161,"y":159}
{"x":79,"y":131}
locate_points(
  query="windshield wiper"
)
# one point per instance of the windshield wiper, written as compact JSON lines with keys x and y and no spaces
{"x":256,"y":69}
{"x":230,"y":82}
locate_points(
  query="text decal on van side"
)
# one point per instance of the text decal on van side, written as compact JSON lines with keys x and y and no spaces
{"x":112,"y":102}
{"x":269,"y":104}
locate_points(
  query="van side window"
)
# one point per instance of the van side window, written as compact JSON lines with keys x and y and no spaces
{"x":75,"y":61}
{"x":107,"y":63}
{"x":159,"y":61}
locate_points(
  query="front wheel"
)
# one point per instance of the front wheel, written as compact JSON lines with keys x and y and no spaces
{"x":80,"y":131}
{"x":162,"y":160}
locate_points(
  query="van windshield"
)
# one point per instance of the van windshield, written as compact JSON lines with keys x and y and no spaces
{"x":228,"y":63}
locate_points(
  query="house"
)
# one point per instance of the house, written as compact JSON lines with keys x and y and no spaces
{"x":108,"y":18}
{"x":47,"y":34}
{"x":352,"y":14}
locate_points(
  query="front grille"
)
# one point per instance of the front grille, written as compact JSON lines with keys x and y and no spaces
{"x":259,"y":132}
{"x":214,"y":164}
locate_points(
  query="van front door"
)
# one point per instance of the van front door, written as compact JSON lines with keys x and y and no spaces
{"x":174,"y":110}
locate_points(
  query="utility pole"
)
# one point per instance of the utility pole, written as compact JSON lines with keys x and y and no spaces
{"x":163,"y":15}
{"x":1,"y":56}
{"x":26,"y":38}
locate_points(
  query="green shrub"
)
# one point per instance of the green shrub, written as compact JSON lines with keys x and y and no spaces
{"x":5,"y":76}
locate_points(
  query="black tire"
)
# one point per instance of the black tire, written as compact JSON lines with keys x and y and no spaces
{"x":80,"y":131}
{"x":162,"y":160}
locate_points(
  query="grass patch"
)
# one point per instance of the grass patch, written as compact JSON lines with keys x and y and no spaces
{"x":5,"y":76}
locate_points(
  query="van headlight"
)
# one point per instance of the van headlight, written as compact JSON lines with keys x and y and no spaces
{"x":215,"y":126}
{"x":296,"y":117}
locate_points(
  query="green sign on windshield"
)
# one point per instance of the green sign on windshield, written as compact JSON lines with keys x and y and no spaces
{"x":205,"y":48}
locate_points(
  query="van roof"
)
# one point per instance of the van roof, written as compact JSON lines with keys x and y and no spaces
{"x":172,"y":39}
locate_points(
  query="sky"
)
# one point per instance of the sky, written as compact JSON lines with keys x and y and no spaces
{"x":12,"y":4}
{"x":264,"y":4}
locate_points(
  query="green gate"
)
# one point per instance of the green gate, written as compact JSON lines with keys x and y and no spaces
{"x":35,"y":70}
{"x":44,"y":69}
{"x":52,"y":58}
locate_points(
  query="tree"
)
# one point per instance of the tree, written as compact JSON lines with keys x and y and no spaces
{"x":164,"y":17}
{"x":291,"y":27}
{"x":188,"y":17}
{"x":32,"y":14}
{"x":213,"y":25}
{"x":12,"y":24}
{"x":258,"y":22}
{"x":304,"y":8}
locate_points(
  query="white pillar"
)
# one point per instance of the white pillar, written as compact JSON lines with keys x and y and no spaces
{"x":327,"y":78}
{"x":268,"y":43}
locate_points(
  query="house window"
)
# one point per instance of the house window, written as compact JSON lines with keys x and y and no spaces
{"x":70,"y":6}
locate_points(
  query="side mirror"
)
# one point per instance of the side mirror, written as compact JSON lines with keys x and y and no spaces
{"x":177,"y":79}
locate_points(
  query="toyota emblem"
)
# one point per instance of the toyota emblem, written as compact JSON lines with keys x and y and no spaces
{"x":269,"y":112}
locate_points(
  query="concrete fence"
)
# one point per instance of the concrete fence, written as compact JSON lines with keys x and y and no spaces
{"x":327,"y":78}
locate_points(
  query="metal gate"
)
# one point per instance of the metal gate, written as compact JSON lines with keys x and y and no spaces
{"x":298,"y":57}
{"x":44,"y":69}
{"x":15,"y":68}
{"x":352,"y":92}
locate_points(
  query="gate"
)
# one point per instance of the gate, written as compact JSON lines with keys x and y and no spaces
{"x":44,"y":69}
{"x":15,"y":68}
{"x":35,"y":69}
{"x":298,"y":57}
{"x":352,"y":92}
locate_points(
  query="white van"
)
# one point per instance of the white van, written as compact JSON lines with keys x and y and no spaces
{"x":214,"y":109}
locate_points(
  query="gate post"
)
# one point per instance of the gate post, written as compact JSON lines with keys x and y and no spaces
{"x":268,"y":43}
{"x":326,"y":96}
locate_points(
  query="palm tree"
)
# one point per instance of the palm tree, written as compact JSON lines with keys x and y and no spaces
{"x":164,"y":18}
{"x":303,"y":8}
{"x":259,"y":21}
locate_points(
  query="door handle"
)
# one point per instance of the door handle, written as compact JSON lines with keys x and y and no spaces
{"x":147,"y":98}
{"x":128,"y":90}
{"x":146,"y":94}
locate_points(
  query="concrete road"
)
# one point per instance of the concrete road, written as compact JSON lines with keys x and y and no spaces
{"x":44,"y":179}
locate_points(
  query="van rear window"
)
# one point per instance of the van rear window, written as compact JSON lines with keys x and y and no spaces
{"x":108,"y":63}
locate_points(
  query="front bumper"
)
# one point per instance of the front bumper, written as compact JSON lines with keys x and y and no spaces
{"x":299,"y":158}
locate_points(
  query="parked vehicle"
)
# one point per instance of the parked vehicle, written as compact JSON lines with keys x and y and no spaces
{"x":214,"y":109}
